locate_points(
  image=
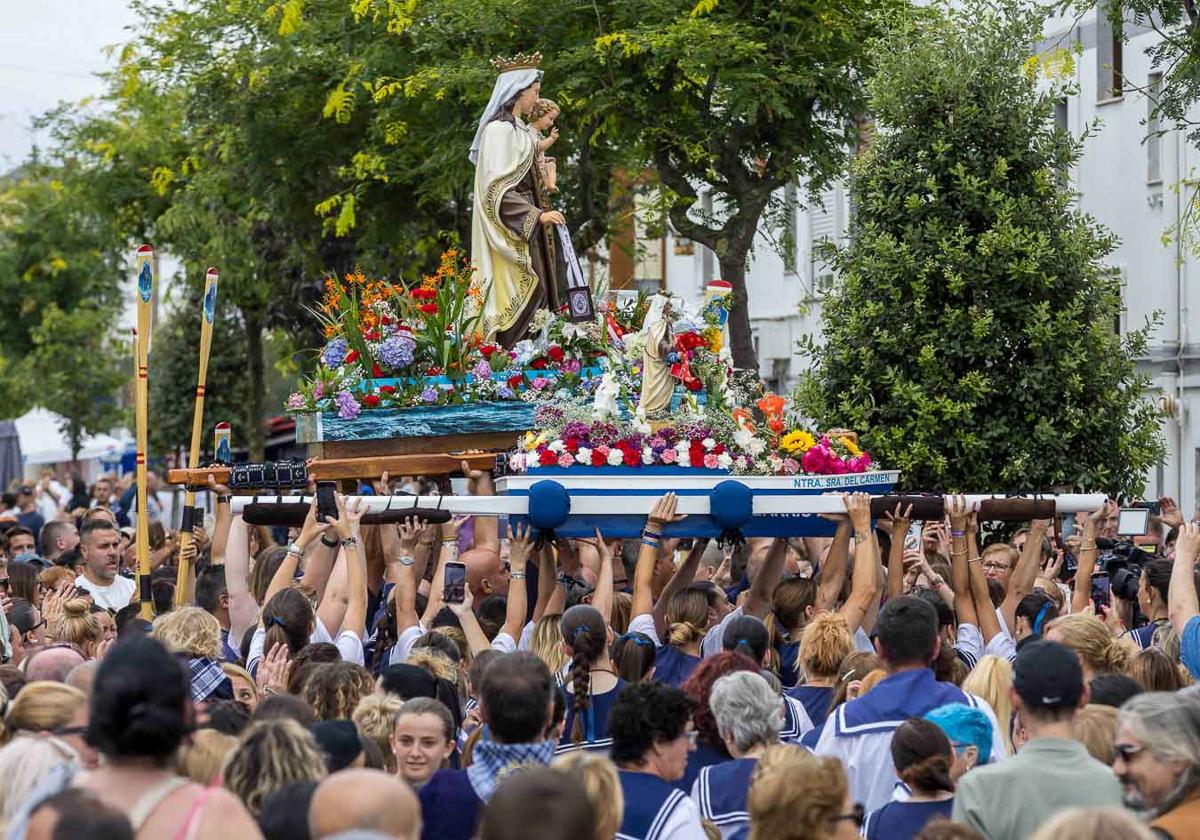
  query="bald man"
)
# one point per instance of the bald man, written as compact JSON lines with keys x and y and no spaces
{"x":52,"y":663}
{"x":369,"y":800}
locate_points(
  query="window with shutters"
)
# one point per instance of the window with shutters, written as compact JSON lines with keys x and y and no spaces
{"x":825,"y":227}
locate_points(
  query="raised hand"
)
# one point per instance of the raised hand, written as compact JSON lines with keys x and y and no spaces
{"x":858,"y":507}
{"x":663,"y":512}
{"x":410,"y":530}
{"x":897,"y":521}
{"x":311,"y":529}
{"x":273,"y":670}
{"x":519,"y":544}
{"x":1169,"y":513}
{"x":1188,"y":544}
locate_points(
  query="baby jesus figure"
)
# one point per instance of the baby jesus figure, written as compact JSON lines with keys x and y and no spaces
{"x":541,"y":126}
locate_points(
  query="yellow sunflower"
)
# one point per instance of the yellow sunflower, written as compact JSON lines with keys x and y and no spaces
{"x":797,"y":441}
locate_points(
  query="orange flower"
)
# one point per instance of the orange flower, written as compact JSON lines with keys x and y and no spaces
{"x":331,"y":330}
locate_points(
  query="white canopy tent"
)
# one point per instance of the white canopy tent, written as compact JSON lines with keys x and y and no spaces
{"x":42,"y":443}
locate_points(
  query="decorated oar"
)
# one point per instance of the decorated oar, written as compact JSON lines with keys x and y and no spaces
{"x":208,"y":309}
{"x":145,"y":295}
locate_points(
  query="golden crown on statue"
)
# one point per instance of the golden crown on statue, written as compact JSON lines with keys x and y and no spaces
{"x":520,"y":61}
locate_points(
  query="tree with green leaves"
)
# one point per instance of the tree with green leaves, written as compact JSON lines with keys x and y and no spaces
{"x":79,"y":369}
{"x":971,"y":337}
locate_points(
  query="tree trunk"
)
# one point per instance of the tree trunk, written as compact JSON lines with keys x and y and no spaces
{"x":254,"y":404}
{"x":732,"y":259}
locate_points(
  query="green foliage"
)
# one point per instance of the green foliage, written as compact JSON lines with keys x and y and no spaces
{"x":78,"y":370}
{"x":971,"y":338}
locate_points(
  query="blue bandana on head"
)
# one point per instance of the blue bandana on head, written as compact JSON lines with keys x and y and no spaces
{"x":492,"y":761}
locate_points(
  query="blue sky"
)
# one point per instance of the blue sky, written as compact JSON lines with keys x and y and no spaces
{"x":49,"y":50}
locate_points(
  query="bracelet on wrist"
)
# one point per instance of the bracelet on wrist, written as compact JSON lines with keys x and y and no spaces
{"x":223,"y":500}
{"x":349,"y":541}
{"x":407,"y":560}
{"x":328,"y":543}
{"x":295,"y":550}
{"x":516,"y":576}
{"x":958,"y":533}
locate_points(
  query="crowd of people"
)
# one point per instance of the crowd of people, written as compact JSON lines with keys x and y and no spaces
{"x":956,"y":679}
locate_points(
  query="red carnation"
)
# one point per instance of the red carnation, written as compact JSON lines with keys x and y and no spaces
{"x":572,"y":445}
{"x":719,"y":449}
{"x":487,"y":350}
{"x":538,"y":364}
{"x":371,"y":335}
{"x":370,"y":401}
{"x":385,"y":320}
{"x":555,"y":353}
{"x":696,"y":453}
{"x":598,"y":458}
{"x":351,"y":357}
{"x":429,"y":308}
{"x":547,"y":458}
{"x":692,"y":383}
{"x":376,"y":371}
{"x":515,"y":381}
{"x":387,"y":389}
{"x":632,"y":456}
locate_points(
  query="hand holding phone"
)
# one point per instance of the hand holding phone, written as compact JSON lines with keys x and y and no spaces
{"x":454,"y":583}
{"x":327,"y":501}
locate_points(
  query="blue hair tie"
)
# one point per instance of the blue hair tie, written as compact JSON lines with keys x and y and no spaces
{"x":1041,"y":616}
{"x":582,"y":628}
{"x":636,"y":638}
{"x":275,"y":621}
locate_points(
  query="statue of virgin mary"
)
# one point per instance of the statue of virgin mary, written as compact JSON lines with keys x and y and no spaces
{"x":512,"y":248}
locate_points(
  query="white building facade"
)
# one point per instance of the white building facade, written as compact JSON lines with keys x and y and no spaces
{"x":1126,"y":179}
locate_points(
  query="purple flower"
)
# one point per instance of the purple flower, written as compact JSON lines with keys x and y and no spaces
{"x":570,"y":366}
{"x":429,"y":395}
{"x":397,"y":351}
{"x":348,"y":407}
{"x":539,"y":383}
{"x":335,"y":352}
{"x":576,"y":429}
{"x":482,"y":372}
{"x":547,"y":415}
{"x":505,"y":393}
{"x":295,"y":400}
{"x":318,"y":390}
{"x":657,"y":442}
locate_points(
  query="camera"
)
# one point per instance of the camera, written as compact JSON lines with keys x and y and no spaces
{"x":1123,"y":561}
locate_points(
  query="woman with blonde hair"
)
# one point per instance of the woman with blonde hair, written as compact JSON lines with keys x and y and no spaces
{"x":1095,"y":727}
{"x":245,"y":690}
{"x":51,"y":707}
{"x":271,"y":754}
{"x":203,"y":756}
{"x":191,"y":631}
{"x":1098,"y":651}
{"x":824,"y":645}
{"x":23,"y":764}
{"x":1154,"y":671}
{"x":991,"y":679}
{"x":76,"y":625}
{"x":603,"y":788}
{"x":796,"y":796}
{"x":1093,"y":824}
{"x":375,"y":717}
{"x":546,"y":643}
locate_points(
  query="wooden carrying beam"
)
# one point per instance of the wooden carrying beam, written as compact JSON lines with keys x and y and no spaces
{"x":1016,"y":509}
{"x":292,"y":513}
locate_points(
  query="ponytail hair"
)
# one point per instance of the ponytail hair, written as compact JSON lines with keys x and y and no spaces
{"x":923,"y":756}
{"x":687,"y":616}
{"x":288,"y":619}
{"x":633,"y":655}
{"x":748,"y":636}
{"x":584,"y":632}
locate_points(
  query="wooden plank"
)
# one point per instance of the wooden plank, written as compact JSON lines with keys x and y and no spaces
{"x":438,"y":445}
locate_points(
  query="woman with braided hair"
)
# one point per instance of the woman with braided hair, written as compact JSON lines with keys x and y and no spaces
{"x":591,"y":686}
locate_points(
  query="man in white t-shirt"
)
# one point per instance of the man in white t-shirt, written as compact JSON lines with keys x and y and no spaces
{"x":100,"y":547}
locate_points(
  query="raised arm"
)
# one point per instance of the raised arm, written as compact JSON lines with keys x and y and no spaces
{"x":518,"y":595}
{"x":602,"y":595}
{"x":960,"y":573}
{"x":758,"y":601}
{"x":349,"y":529}
{"x":1081,"y":591}
{"x":832,"y":576}
{"x":989,"y":624}
{"x":403,"y":572}
{"x":487,"y":528}
{"x":224,"y":519}
{"x":643,"y":573}
{"x":682,"y":578}
{"x":449,"y":552}
{"x":1020,"y":582}
{"x":1182,"y":604}
{"x":548,"y":585}
{"x":899,"y":522}
{"x":864,"y":586}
